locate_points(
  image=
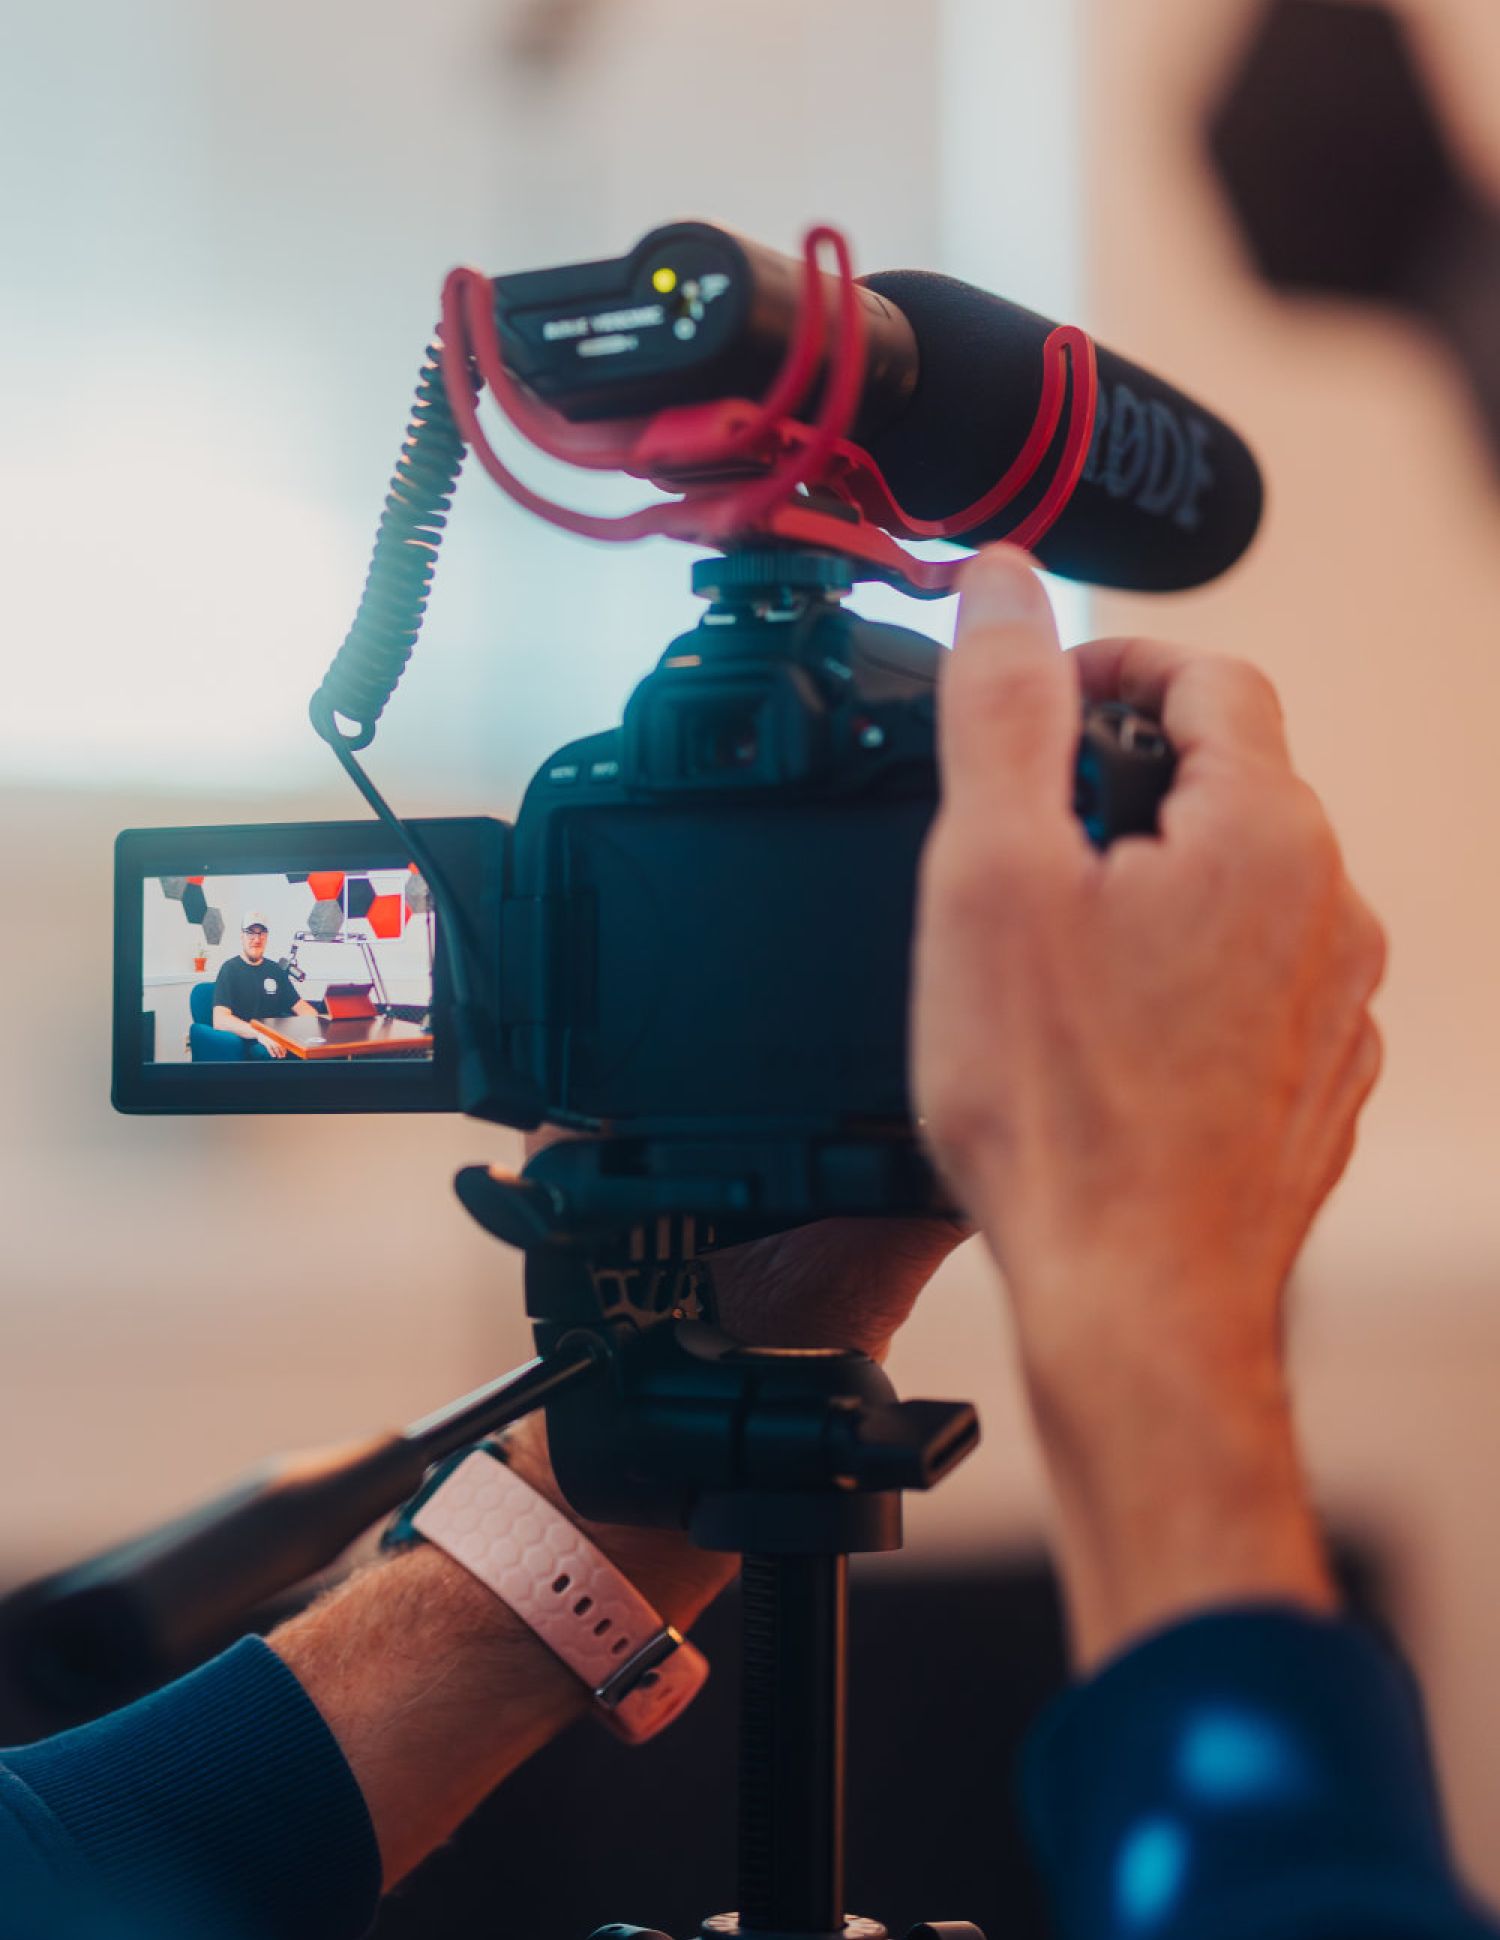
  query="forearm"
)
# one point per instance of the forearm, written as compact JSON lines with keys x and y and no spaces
{"x":436,"y":1691}
{"x":1177,"y":1483}
{"x":225,"y":1020}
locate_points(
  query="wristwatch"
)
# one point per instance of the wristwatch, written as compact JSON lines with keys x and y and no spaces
{"x":641,"y":1671}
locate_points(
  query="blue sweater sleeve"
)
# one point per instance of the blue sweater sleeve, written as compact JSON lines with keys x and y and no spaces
{"x":218,"y":1806}
{"x":1253,"y":1774}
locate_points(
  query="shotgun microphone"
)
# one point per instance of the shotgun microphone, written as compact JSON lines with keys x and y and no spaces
{"x":953,"y":381}
{"x":1170,"y":496}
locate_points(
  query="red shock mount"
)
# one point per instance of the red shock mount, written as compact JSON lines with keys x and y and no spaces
{"x":740,"y":467}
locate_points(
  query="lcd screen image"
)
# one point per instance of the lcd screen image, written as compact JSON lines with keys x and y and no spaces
{"x":328,"y":967}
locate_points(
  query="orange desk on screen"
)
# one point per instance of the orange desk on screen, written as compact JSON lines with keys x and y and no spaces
{"x":346,"y":1037}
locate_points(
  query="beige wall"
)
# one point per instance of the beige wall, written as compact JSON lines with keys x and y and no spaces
{"x":1373,"y":598}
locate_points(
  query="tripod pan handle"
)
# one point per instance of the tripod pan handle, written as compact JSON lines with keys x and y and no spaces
{"x":104,"y":1631}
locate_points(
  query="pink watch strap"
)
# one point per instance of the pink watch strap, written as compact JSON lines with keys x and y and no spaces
{"x":640,"y":1670}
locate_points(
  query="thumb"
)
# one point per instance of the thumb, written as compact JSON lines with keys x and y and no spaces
{"x":1008,"y":699}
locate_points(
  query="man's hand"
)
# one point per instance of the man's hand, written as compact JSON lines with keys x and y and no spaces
{"x":226,"y":1020}
{"x":835,"y":1283}
{"x":1140,"y":1071}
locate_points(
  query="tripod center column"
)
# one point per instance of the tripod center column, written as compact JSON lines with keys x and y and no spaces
{"x":792,"y":1744}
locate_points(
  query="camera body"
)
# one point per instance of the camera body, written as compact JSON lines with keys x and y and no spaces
{"x":709,"y":909}
{"x":721,"y":890}
{"x":722,"y":886}
{"x":699,"y":928}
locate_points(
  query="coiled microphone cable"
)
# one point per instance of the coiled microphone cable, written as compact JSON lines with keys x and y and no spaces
{"x":368,"y":667}
{"x":363,"y":676}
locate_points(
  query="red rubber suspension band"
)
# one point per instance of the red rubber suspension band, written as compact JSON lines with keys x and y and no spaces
{"x":685,"y":448}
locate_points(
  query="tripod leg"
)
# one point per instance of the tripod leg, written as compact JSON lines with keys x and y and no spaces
{"x":791,"y":1866}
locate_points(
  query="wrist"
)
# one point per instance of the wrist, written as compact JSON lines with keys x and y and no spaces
{"x":435,"y":1688}
{"x":1171,"y":1451}
{"x":1153,"y":1384}
{"x":673,"y":1574}
{"x":1132,"y":1327}
{"x":1161,"y":1546}
{"x":1160,"y":1518}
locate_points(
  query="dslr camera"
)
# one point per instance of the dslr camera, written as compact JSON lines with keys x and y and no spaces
{"x":693,"y":944}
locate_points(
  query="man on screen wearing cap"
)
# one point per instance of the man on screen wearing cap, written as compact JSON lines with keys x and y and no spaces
{"x":248,"y":988}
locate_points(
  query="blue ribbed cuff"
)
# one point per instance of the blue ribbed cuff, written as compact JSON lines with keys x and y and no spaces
{"x":1253,"y":1770}
{"x":220,"y":1804}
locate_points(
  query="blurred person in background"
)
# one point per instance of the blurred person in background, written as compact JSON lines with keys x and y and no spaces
{"x":1140,"y":1072}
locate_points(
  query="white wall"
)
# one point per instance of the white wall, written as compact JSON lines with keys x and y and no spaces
{"x":169,"y":942}
{"x":218,"y":286}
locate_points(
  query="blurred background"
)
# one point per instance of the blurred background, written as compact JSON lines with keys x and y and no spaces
{"x":220,"y":268}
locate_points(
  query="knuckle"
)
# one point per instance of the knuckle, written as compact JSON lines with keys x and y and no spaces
{"x":973,"y":869}
{"x":996,"y":704}
{"x":1371,"y":1060}
{"x":1301,"y":831}
{"x":971,"y":676}
{"x":1244,"y":702}
{"x":1283,"y":828}
{"x":1371,"y":945}
{"x":1246,"y":692}
{"x":959,"y":1123}
{"x":951,"y":886}
{"x":1026,"y":685}
{"x":954,"y":1119}
{"x":1254,"y":684}
{"x":1306,"y":818}
{"x":957,"y":894}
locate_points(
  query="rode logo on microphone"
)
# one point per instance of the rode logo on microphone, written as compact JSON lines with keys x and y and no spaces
{"x":1150,"y":455}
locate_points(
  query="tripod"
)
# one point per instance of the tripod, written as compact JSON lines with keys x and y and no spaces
{"x":793,"y":1458}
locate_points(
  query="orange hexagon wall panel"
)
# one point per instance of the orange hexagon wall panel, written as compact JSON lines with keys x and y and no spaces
{"x":387,"y":916}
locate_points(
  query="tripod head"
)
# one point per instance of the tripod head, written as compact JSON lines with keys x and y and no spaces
{"x":690,"y":1428}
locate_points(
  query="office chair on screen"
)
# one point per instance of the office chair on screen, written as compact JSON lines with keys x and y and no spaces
{"x":209,"y":1046}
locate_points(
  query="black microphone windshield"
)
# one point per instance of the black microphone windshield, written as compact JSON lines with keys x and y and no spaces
{"x":1170,"y":496}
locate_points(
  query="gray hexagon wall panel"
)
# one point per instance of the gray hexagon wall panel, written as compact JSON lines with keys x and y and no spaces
{"x":327,"y":919}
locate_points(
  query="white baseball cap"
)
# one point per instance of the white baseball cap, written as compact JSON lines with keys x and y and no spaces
{"x":254,"y":919}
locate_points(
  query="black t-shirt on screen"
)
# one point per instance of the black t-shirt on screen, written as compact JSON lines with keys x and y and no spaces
{"x":254,"y":990}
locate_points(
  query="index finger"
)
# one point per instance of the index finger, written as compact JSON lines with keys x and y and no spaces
{"x":1008,"y":702}
{"x":1203,"y":701}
